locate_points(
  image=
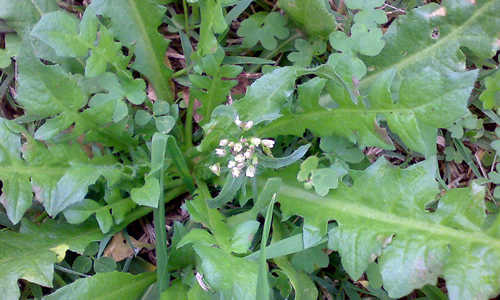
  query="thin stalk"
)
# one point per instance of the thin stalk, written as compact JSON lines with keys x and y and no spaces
{"x":186,"y":17}
{"x":189,"y":124}
{"x":69,"y":271}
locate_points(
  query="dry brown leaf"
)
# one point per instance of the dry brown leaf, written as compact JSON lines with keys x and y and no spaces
{"x":119,"y":249}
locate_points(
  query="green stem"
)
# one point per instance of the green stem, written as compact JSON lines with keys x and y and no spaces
{"x":182,"y":72}
{"x":188,"y":135}
{"x":69,"y":271}
{"x":186,"y":17}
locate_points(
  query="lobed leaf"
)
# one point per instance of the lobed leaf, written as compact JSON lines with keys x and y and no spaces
{"x":30,"y":254}
{"x":135,"y":23}
{"x":382,"y":216}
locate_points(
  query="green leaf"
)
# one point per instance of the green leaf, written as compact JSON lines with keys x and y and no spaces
{"x":48,"y":91}
{"x":232,"y":277}
{"x":304,"y":54}
{"x":148,"y":194}
{"x":341,"y":147}
{"x":265,"y":96}
{"x":263,"y":289}
{"x":104,"y":264}
{"x":304,"y":12}
{"x":306,"y":167}
{"x":416,"y":87}
{"x":303,"y":285}
{"x":276,"y":163}
{"x":59,"y":175}
{"x":30,"y":255}
{"x":105,"y":286}
{"x":60,"y":30}
{"x":263,"y":28}
{"x":135,"y":23}
{"x":211,"y":90}
{"x":491,"y":96}
{"x":164,"y":124}
{"x":383,"y":215}
{"x":82,"y":264}
{"x":325,"y":179}
{"x":212,"y":21}
{"x":310,"y":259}
{"x":21,"y":15}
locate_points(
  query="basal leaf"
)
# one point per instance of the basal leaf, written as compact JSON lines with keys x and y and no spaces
{"x":110,"y":285}
{"x":48,"y":91}
{"x":416,"y":87}
{"x":30,"y":255}
{"x":59,"y":175}
{"x":135,"y":23}
{"x":382,"y":215}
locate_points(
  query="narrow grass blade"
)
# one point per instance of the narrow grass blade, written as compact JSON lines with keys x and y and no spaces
{"x":158,"y":151}
{"x":263,"y":290}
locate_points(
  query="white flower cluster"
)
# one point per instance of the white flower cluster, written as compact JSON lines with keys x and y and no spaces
{"x":242,"y":158}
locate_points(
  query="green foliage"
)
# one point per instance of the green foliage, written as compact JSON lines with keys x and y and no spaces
{"x":30,"y":255}
{"x":263,"y":28}
{"x":105,"y":285}
{"x":490,"y":97}
{"x":135,"y":24}
{"x":413,"y":246}
{"x":304,"y":12}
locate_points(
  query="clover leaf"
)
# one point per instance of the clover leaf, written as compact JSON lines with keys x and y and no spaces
{"x":263,"y":28}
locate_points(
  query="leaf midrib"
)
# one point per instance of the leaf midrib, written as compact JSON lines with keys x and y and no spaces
{"x":305,"y":198}
{"x":424,"y":53}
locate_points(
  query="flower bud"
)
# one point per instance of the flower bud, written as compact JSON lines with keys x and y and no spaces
{"x":236,"y":172}
{"x":223,"y":142}
{"x":239,"y":158}
{"x":237,"y":147}
{"x":250,"y":172}
{"x":215,"y":169}
{"x":220,"y":152}
{"x":255,"y":141}
{"x":268,"y":143}
{"x":231,"y":164}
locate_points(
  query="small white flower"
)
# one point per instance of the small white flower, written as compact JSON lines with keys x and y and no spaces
{"x":239,"y":158}
{"x":248,"y":125}
{"x":250,"y":172}
{"x":240,"y":166}
{"x":231,"y":164}
{"x":268,"y":143}
{"x":238,"y":121}
{"x":220,"y":152}
{"x":215,"y":169}
{"x":236,"y":172}
{"x":237,"y":147}
{"x":248,"y":154}
{"x":255,"y":141}
{"x":223,"y":142}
